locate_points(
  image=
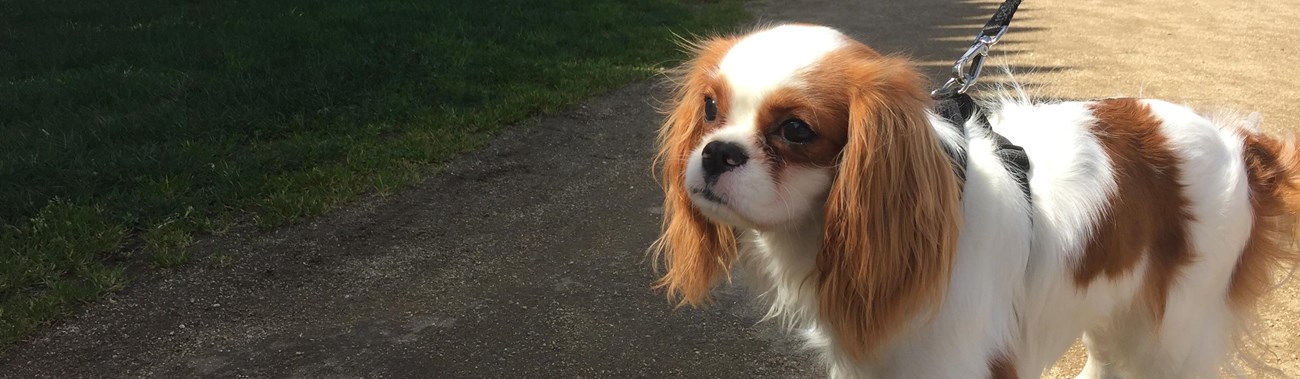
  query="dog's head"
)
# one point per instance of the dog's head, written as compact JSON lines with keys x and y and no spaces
{"x":798,"y":125}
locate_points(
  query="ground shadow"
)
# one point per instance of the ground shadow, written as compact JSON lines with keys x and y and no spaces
{"x":933,"y":33}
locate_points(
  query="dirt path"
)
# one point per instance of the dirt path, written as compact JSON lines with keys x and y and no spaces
{"x":526,"y":259}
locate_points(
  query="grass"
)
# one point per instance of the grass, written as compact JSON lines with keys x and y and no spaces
{"x":129,"y":127}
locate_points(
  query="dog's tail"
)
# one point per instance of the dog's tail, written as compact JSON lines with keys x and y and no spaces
{"x":1271,"y":253}
{"x":1273,"y":169}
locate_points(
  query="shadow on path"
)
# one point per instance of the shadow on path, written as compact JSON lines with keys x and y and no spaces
{"x":934,"y":33}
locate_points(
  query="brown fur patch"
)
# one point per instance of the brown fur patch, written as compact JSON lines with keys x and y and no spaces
{"x":1273,"y":168}
{"x":694,"y":252}
{"x":1002,"y":367}
{"x":1147,"y":213}
{"x":826,"y":118}
{"x":893,"y":212}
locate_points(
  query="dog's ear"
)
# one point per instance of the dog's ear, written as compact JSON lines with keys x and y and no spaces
{"x":694,"y":251}
{"x":892,"y":215}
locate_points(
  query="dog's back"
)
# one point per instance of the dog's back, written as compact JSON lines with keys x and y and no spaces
{"x":1156,"y":230}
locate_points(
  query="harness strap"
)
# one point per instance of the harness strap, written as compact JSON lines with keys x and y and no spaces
{"x":959,"y":108}
{"x":1016,"y":161}
{"x":956,"y":112}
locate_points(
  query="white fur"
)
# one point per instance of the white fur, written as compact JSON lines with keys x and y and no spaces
{"x":800,"y":47}
{"x":1012,"y":287}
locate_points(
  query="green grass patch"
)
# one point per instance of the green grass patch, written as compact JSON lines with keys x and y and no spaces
{"x":146,"y":122}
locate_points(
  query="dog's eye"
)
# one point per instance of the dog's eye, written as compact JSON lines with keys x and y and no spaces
{"x":796,"y":131}
{"x":710,"y":109}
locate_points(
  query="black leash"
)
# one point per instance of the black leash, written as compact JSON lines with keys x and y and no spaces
{"x":967,"y":68}
{"x":953,"y":104}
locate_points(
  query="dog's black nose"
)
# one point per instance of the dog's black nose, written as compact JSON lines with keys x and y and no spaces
{"x":720,"y":157}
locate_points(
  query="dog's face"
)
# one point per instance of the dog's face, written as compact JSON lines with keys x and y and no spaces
{"x":797,"y":126}
{"x":772,"y":111}
{"x":773,"y":123}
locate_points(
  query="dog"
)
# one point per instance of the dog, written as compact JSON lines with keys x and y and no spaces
{"x":900,"y":245}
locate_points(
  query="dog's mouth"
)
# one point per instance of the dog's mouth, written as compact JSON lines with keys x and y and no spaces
{"x":707,"y":194}
{"x":717,"y":209}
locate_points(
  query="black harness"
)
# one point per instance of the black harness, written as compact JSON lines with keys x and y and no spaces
{"x":957,"y":109}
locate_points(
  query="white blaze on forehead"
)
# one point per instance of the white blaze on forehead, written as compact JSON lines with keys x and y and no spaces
{"x":768,"y":60}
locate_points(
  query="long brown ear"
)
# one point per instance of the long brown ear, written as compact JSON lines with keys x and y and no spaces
{"x":694,"y":251}
{"x":893,"y":213}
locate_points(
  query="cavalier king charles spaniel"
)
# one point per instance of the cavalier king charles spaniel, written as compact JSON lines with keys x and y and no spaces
{"x":819,"y":167}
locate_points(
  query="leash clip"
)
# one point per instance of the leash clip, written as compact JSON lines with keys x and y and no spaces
{"x":967,"y":68}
